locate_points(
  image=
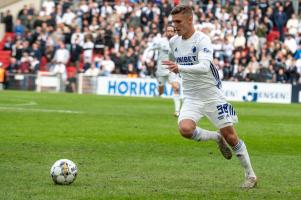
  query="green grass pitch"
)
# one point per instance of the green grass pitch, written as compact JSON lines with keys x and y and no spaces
{"x":129,"y":148}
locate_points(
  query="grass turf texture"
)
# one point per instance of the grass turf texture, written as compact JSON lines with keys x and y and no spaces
{"x":129,"y":148}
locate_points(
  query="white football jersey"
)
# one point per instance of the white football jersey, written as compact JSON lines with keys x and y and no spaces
{"x":204,"y":86}
{"x":161,"y":44}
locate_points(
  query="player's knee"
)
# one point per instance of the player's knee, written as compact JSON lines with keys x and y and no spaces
{"x":186,"y":132}
{"x":175,"y":88}
{"x":186,"y":129}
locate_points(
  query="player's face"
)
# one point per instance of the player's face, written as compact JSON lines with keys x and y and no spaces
{"x":170,"y":32}
{"x":182,"y":23}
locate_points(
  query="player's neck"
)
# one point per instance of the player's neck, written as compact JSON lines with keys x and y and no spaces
{"x":188,"y":35}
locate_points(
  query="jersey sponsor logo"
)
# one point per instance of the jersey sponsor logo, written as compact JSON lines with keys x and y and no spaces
{"x":186,"y":59}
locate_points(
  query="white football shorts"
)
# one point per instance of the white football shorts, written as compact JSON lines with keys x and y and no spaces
{"x":220,"y":112}
{"x":170,"y":78}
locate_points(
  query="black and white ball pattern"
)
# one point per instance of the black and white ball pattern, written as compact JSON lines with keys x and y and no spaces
{"x":63,"y":172}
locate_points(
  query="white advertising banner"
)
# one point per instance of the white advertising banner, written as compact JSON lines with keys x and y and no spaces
{"x":258,"y":92}
{"x":47,"y":80}
{"x":145,"y":87}
{"x":234,"y":91}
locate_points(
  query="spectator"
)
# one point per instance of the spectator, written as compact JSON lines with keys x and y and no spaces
{"x":8,"y":21}
{"x":252,"y":70}
{"x":239,"y":75}
{"x":49,"y":6}
{"x":19,"y":28}
{"x":13,"y":67}
{"x":59,"y":69}
{"x":17,"y":50}
{"x":217,"y":45}
{"x":92,"y":71}
{"x":269,"y":74}
{"x":78,"y":35}
{"x":107,"y":66}
{"x":292,"y":25}
{"x":61,"y":55}
{"x":297,"y":54}
{"x":106,"y":10}
{"x":292,"y":72}
{"x":25,"y":63}
{"x":88,"y":51}
{"x":264,"y":61}
{"x":2,"y":76}
{"x":118,"y":60}
{"x":8,"y":45}
{"x":290,"y":43}
{"x":75,"y":52}
{"x":240,"y":40}
{"x":280,"y":19}
{"x":253,"y":40}
{"x":36,"y":51}
{"x":68,"y":17}
{"x":130,"y":62}
{"x":281,"y":76}
{"x":289,"y":9}
{"x":49,"y":55}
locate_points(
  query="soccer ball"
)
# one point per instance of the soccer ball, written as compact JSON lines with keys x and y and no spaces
{"x":63,"y":172}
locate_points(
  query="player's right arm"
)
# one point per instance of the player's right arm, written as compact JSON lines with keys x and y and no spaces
{"x":205,"y":57}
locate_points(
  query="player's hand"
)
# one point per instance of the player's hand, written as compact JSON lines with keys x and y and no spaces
{"x":171,"y":66}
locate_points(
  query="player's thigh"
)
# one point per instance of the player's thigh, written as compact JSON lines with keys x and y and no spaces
{"x":221,"y":114}
{"x":191,"y":110}
{"x":161,"y":80}
{"x":173,"y":78}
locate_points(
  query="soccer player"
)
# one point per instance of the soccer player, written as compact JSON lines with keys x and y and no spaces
{"x":163,"y":75}
{"x":191,"y":56}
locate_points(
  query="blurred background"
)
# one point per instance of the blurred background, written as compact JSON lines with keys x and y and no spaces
{"x":64,"y":45}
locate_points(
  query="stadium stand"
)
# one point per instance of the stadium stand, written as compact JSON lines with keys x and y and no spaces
{"x":252,"y":40}
{"x":7,"y":2}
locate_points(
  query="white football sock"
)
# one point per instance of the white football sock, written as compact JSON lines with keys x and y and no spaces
{"x":204,"y":135}
{"x":177,"y":101}
{"x":241,"y":152}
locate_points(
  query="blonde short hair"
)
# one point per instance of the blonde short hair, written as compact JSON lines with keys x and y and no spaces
{"x":183,"y":9}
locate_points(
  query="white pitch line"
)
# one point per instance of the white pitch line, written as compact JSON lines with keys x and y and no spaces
{"x":31,"y":103}
{"x":40,"y":110}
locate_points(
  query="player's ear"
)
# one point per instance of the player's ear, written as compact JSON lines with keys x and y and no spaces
{"x":190,"y":19}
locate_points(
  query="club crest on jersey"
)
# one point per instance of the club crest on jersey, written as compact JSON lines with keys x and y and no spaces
{"x":176,"y":49}
{"x":193,"y":49}
{"x":206,"y":50}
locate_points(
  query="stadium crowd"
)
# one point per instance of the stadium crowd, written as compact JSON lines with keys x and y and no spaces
{"x":252,"y":40}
